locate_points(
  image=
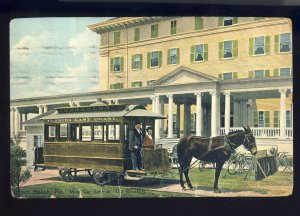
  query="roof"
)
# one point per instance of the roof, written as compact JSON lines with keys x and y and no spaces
{"x":124,"y":22}
{"x":38,"y":119}
{"x":129,"y":111}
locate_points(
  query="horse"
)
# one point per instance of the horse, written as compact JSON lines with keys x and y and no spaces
{"x":216,"y":149}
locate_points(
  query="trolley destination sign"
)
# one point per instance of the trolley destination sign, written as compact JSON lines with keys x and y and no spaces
{"x":83,"y":119}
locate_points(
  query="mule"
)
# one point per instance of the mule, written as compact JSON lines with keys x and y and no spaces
{"x":216,"y":149}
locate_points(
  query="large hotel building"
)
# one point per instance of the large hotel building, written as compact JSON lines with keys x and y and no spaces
{"x":207,"y":75}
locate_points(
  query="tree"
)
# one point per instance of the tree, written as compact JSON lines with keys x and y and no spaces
{"x":19,"y":174}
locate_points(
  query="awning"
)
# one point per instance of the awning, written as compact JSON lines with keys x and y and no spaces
{"x":143,"y":113}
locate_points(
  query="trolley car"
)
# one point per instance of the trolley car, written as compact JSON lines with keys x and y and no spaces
{"x":95,"y":139}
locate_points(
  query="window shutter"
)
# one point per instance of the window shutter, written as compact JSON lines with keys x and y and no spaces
{"x":116,"y":38}
{"x":250,"y":74}
{"x":220,"y":21}
{"x":220,"y":76}
{"x":111,"y":86}
{"x":122,"y":64}
{"x":169,"y":56}
{"x":255,"y":118}
{"x":111,"y":64}
{"x":132,"y":62}
{"x":198,"y":23}
{"x":291,"y":71}
{"x":141,"y":63}
{"x":235,"y":75}
{"x":205,"y":52}
{"x":276,"y":72}
{"x":276,"y":43}
{"x":235,"y":20}
{"x":251,"y":41}
{"x":136,"y":34}
{"x":267,"y":118}
{"x":148,"y":60}
{"x":267,"y":46}
{"x":276,"y":119}
{"x":178,"y":56}
{"x":235,"y":48}
{"x":159,"y":58}
{"x":267,"y":73}
{"x":221,"y":50}
{"x":192,"y":55}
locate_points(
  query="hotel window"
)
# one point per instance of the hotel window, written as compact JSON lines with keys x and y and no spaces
{"x":227,"y":21}
{"x":149,"y":82}
{"x":259,"y":45}
{"x":199,"y":53}
{"x":283,"y":43}
{"x":154,"y":31}
{"x":117,"y":64}
{"x":136,"y":34}
{"x":228,"y":49}
{"x":193,"y":122}
{"x":37,"y":141}
{"x":137,"y":61}
{"x":117,"y":86}
{"x":282,"y":71}
{"x":173,"y":56}
{"x":198,"y":23}
{"x":259,"y":73}
{"x":261,"y":118}
{"x":228,"y":76}
{"x":154,"y":59}
{"x":136,"y":84}
{"x":117,"y":37}
{"x":173,"y":27}
{"x":277,"y":118}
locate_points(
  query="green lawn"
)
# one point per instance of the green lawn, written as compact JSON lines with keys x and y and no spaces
{"x":143,"y":188}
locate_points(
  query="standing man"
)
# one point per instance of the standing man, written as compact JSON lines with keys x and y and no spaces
{"x":135,"y":145}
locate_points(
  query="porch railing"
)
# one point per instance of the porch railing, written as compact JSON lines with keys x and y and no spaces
{"x":259,"y":132}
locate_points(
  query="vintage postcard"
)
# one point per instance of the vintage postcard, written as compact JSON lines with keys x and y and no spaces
{"x":129,"y":107}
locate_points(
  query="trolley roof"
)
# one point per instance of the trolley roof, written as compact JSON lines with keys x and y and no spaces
{"x":102,"y":111}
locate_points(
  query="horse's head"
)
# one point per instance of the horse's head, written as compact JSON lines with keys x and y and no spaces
{"x":249,"y":141}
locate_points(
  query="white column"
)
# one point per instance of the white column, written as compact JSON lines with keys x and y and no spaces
{"x":40,"y":109}
{"x":199,"y":114}
{"x":227,"y":112}
{"x":282,"y":113}
{"x":17,"y":121}
{"x":178,"y":120}
{"x":116,"y":101}
{"x":12,"y":121}
{"x":214,"y":114}
{"x":157,"y":121}
{"x":170,"y":117}
{"x":162,"y":121}
{"x":77,"y":103}
{"x":45,"y":108}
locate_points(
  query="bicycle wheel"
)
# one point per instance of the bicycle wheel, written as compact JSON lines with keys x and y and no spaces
{"x":232,"y":167}
{"x":283,"y":163}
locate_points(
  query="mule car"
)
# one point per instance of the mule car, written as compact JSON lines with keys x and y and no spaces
{"x":95,"y":139}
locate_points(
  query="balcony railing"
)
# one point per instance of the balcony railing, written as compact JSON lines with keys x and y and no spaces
{"x":263,"y":132}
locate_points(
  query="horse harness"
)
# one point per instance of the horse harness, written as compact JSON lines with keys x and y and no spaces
{"x":228,"y":147}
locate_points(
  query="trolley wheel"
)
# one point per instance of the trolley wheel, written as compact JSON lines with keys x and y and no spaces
{"x":90,"y":172}
{"x":101,"y":177}
{"x":68,"y":174}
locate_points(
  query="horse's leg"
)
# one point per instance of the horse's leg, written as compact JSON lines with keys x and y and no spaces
{"x":219,"y":166}
{"x":180,"y":169}
{"x":186,"y":173}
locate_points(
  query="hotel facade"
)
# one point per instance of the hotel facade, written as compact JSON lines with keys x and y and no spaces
{"x":207,"y":75}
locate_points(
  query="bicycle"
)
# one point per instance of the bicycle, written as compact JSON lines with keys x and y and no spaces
{"x":240,"y":163}
{"x":283,"y":161}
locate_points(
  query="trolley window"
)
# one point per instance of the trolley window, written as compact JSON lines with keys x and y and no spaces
{"x":99,"y":132}
{"x":113,"y":132}
{"x":51,"y":133}
{"x":63,"y":131}
{"x":75,"y":135}
{"x":86,"y":133}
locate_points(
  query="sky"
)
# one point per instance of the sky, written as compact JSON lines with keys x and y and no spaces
{"x":52,"y":56}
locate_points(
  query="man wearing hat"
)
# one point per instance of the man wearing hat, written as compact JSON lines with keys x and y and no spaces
{"x":135,"y":145}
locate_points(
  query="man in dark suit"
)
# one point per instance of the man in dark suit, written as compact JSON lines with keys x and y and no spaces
{"x":135,"y":145}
